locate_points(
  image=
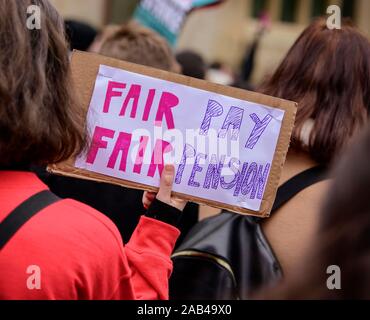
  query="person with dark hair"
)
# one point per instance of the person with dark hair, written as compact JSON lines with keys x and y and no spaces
{"x":327,"y":72}
{"x":342,"y":238}
{"x":80,"y":35}
{"x":192,"y":64}
{"x":69,"y":250}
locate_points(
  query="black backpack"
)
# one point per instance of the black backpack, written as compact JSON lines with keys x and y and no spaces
{"x":227,"y":257}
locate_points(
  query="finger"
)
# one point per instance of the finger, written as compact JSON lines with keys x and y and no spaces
{"x":150,"y":195}
{"x":148,"y":198}
{"x":165,"y":187}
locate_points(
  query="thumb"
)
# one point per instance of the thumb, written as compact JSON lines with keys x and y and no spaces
{"x":165,"y":187}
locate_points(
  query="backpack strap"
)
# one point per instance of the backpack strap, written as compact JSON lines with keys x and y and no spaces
{"x":297,"y":184}
{"x":24,"y":212}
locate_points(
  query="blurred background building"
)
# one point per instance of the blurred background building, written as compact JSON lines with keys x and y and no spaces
{"x":224,"y":33}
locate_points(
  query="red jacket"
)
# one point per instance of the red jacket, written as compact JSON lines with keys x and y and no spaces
{"x":79,"y":251}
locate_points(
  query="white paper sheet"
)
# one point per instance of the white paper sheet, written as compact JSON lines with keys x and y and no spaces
{"x":251,"y":147}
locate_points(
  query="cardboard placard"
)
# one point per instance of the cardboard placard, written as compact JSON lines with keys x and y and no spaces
{"x":228,"y":145}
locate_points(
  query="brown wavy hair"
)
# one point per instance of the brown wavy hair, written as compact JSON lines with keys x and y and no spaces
{"x":40,"y":119}
{"x":327,"y":72}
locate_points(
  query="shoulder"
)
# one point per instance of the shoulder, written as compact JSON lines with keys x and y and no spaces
{"x":85,"y":219}
{"x":78,"y":249}
{"x":290,"y":230}
{"x":73,"y":227}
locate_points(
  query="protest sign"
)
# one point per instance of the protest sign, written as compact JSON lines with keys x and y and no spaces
{"x":228,"y":145}
{"x":168,"y":16}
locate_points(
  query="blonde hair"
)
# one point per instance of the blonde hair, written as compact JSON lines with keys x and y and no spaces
{"x":134,"y":43}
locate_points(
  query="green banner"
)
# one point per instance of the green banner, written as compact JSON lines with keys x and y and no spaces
{"x":168,"y":16}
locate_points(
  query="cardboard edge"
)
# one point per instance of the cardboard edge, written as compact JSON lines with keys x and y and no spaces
{"x":100,"y":178}
{"x":290,"y":108}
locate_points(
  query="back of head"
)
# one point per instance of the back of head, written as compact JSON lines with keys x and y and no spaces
{"x":40,"y":121}
{"x":327,"y":72}
{"x":80,"y":35}
{"x":134,"y":43}
{"x":192,"y":64}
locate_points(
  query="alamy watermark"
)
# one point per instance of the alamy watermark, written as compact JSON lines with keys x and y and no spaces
{"x":33,"y":281}
{"x":334,"y":281}
{"x":33,"y":17}
{"x":334,"y":20}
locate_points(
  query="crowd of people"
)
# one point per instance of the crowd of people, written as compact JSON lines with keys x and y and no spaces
{"x":100,"y":241}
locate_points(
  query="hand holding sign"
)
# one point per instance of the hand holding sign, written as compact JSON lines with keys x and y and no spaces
{"x":228,"y":145}
{"x":165,"y":190}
